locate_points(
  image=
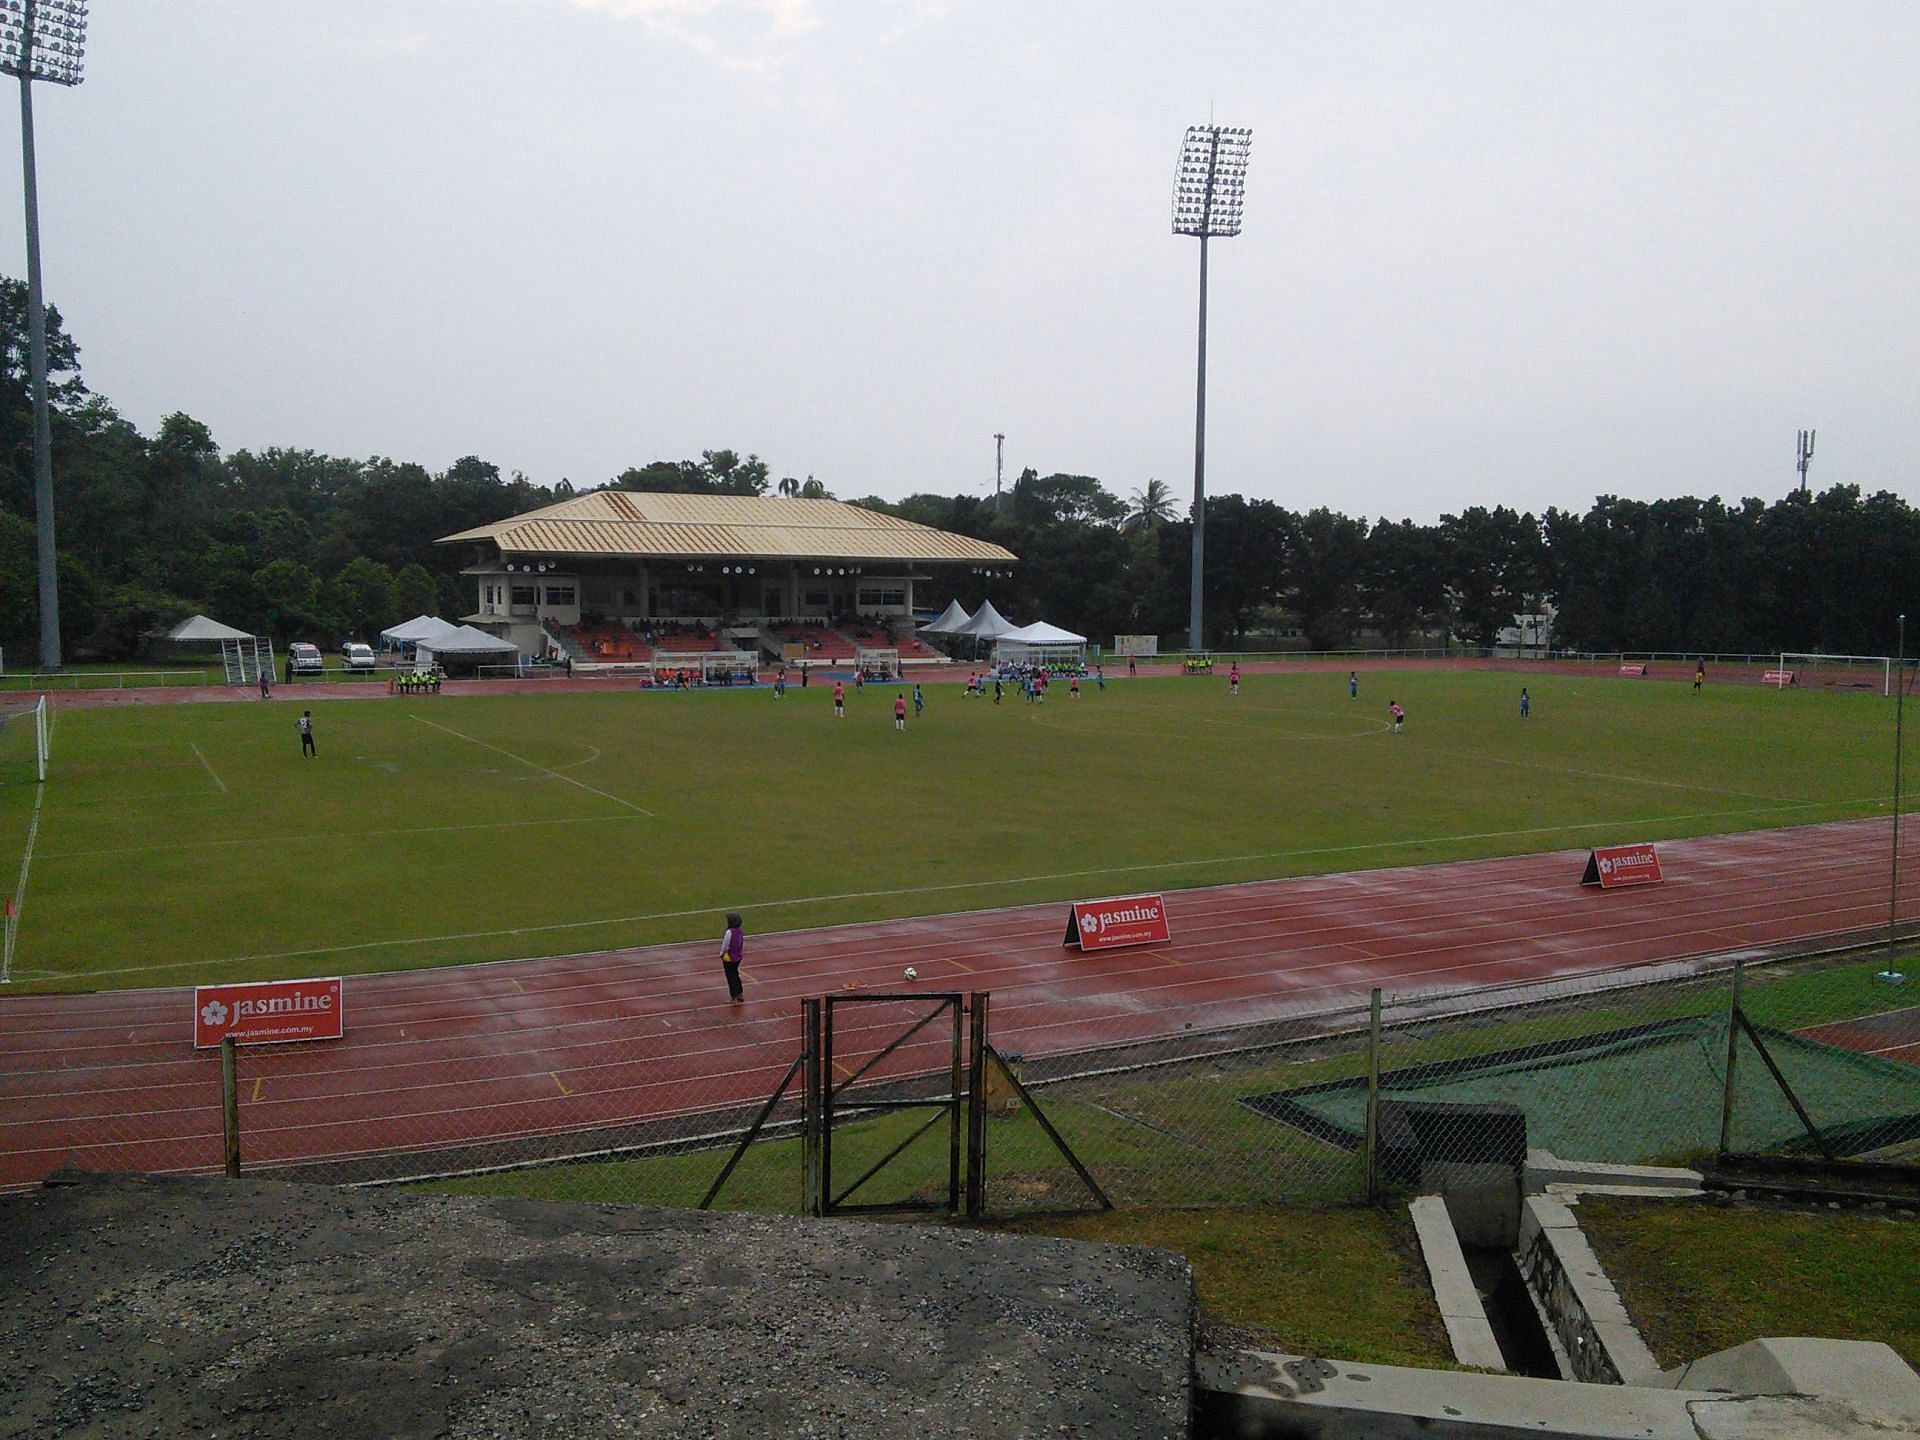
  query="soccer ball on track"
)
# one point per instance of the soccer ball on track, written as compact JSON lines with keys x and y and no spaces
{"x":912,"y":974}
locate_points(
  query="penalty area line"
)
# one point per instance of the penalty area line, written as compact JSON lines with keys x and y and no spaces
{"x":327,"y":835}
{"x":796,"y":901}
{"x":209,"y":768}
{"x":532,"y":765}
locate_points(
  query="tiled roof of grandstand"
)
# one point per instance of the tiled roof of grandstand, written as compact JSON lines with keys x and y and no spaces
{"x":643,"y":524}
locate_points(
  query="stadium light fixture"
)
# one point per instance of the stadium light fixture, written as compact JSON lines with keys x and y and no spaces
{"x":1209,"y":195}
{"x":41,"y":40}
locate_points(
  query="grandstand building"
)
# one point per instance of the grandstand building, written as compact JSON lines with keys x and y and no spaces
{"x":621,"y":577}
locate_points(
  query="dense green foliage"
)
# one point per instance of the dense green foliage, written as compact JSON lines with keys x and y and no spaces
{"x":303,"y":545}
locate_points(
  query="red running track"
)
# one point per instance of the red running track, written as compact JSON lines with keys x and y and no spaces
{"x":1893,"y":1035}
{"x":436,"y":1059}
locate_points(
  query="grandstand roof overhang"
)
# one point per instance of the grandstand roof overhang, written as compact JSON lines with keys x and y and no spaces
{"x":634,"y":525}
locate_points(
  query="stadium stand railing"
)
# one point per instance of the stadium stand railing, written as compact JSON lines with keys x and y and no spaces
{"x":1801,"y":1056}
{"x":822,"y":643}
{"x":606,"y":642}
{"x":910,"y":648}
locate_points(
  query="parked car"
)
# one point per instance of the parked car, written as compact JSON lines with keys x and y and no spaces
{"x":357,"y":656}
{"x":304,"y":659}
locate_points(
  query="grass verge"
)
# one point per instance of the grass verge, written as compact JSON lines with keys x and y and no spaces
{"x":1345,"y":1282}
{"x":1700,"y":1276}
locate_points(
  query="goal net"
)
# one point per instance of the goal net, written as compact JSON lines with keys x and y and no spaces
{"x":737,"y":666}
{"x":880,"y":660}
{"x":1835,"y":672}
{"x":24,"y":741}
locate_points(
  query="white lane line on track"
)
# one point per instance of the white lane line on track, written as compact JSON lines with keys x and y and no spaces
{"x":788,"y":902}
{"x":20,"y":888}
{"x":591,"y":1029}
{"x":532,"y":765}
{"x":209,"y":767}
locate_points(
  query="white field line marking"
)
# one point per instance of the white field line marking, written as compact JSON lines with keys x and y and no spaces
{"x":1604,"y":775}
{"x":20,"y":887}
{"x":1373,"y":727}
{"x":203,"y":760}
{"x":326,"y":835}
{"x":1377,"y":727}
{"x":544,"y":770}
{"x":958,"y":885}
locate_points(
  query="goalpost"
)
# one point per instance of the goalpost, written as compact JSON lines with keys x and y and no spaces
{"x":705,"y":663}
{"x":1838,"y":672}
{"x":26,"y":735}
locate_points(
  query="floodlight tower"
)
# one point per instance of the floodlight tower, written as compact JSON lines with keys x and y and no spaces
{"x":1208,"y":194}
{"x":41,"y":40}
{"x":1804,"y":451}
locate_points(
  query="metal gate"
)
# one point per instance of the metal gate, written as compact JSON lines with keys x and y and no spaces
{"x":845,"y":1083}
{"x":857,"y":1062}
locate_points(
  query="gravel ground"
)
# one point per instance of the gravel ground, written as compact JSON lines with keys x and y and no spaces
{"x":143,"y":1306}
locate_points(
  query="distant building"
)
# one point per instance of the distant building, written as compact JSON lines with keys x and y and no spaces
{"x":726,"y":563}
{"x":1530,"y":635}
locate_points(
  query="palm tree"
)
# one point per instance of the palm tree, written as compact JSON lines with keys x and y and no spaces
{"x":1150,"y":506}
{"x":789,"y":487}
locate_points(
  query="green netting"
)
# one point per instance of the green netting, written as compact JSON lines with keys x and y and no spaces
{"x":1642,"y":1094}
{"x":19,"y":745}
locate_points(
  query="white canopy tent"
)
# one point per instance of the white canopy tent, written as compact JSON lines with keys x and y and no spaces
{"x":245,"y":657}
{"x":465,"y":648}
{"x":987,"y":623}
{"x":950,"y":621}
{"x":1041,"y":633}
{"x":200,"y":629}
{"x":411,"y":632}
{"x":404,"y":639}
{"x":1041,"y":644}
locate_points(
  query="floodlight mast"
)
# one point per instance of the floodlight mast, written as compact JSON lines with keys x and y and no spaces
{"x":1209,"y":192}
{"x":41,"y":40}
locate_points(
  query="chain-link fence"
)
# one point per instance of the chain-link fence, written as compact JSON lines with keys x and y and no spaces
{"x":1184,"y":1105}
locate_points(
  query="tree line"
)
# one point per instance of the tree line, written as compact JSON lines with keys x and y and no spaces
{"x":302,"y":545}
{"x":1827,"y":572}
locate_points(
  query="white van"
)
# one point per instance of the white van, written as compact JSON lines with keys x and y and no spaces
{"x":305,"y":659}
{"x":357,"y":656}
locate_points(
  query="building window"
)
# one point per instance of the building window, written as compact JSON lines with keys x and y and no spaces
{"x":526,"y":594}
{"x":816,"y":599}
{"x":877,"y":599}
{"x":560,"y":595}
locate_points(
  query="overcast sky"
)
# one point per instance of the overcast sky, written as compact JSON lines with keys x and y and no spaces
{"x":1494,"y":253}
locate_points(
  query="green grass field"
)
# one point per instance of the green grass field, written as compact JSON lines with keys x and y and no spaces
{"x":1699,"y":1277}
{"x":191,"y":843}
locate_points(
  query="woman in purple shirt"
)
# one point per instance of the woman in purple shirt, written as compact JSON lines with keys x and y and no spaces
{"x":732,"y":946}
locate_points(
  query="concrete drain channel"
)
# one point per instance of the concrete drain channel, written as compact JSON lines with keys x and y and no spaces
{"x":1552,"y":1350}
